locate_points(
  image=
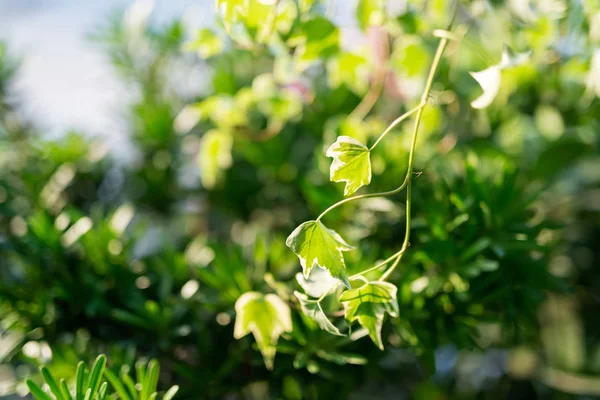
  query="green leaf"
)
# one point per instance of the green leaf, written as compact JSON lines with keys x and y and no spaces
{"x":214,"y":156}
{"x":171,"y":393}
{"x":151,"y":380}
{"x":37,"y":391}
{"x":267,"y":317}
{"x":313,"y":310}
{"x":80,"y":379}
{"x":54,"y":388}
{"x":370,"y":13}
{"x":348,"y":69}
{"x":102,"y":391}
{"x":368,"y":304}
{"x":96,"y":374}
{"x":490,"y":78}
{"x":351,"y":163}
{"x":316,"y":245}
{"x":207,"y":44}
{"x":315,"y":39}
{"x":116,"y":385}
{"x":65,"y":389}
{"x":229,"y":10}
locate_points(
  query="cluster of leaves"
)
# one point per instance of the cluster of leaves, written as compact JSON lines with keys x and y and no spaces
{"x":91,"y":385}
{"x":183,"y":250}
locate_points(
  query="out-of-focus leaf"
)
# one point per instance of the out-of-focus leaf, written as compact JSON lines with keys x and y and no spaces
{"x":490,"y":78}
{"x":207,"y":44}
{"x":266,"y":317}
{"x":348,"y":69}
{"x":316,"y":38}
{"x":370,"y":13}
{"x":214,"y":156}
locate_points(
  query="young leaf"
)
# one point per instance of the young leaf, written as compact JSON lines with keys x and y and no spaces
{"x":368,"y":304}
{"x":37,"y":391}
{"x":316,"y":245}
{"x":54,"y":388}
{"x":171,"y":393}
{"x":116,"y":385}
{"x":351,"y":163}
{"x":489,"y":79}
{"x":65,"y":389}
{"x":96,"y":374}
{"x":80,"y":379}
{"x":102,"y":391}
{"x":267,"y":317}
{"x":313,"y":310}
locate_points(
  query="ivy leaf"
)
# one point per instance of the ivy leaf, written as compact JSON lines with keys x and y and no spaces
{"x":351,"y":163}
{"x":267,"y":317}
{"x":368,"y":304}
{"x":316,"y":245}
{"x":313,"y":310}
{"x":489,"y":79}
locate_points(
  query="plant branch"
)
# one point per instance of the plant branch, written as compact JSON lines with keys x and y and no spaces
{"x":408,"y":180}
{"x":379,"y":194}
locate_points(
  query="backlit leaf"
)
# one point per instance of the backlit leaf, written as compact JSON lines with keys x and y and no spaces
{"x":313,"y":310}
{"x":214,"y":156}
{"x":351,"y":163}
{"x":489,"y":79}
{"x":206,"y":43}
{"x":267,"y":317}
{"x":368,"y":304}
{"x":316,"y":245}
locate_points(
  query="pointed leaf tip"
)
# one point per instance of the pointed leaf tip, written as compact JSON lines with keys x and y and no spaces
{"x":351,"y":163}
{"x":316,"y":245}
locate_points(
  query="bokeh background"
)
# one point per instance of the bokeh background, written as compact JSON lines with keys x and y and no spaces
{"x":143,"y":189}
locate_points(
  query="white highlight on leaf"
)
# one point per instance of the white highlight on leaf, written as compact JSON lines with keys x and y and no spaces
{"x":490,"y":78}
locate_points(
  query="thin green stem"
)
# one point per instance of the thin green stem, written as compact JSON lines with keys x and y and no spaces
{"x":408,"y":180}
{"x":362,"y":196}
{"x":377,"y":266}
{"x":379,"y":194}
{"x":396,"y":122}
{"x":390,"y":269}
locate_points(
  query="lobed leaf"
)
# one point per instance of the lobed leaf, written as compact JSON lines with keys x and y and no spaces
{"x":266,"y":317}
{"x":313,"y":310}
{"x":368,"y":304}
{"x":316,"y":245}
{"x":351,"y":163}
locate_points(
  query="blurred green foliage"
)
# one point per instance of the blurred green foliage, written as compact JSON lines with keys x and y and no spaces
{"x":146,"y":258}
